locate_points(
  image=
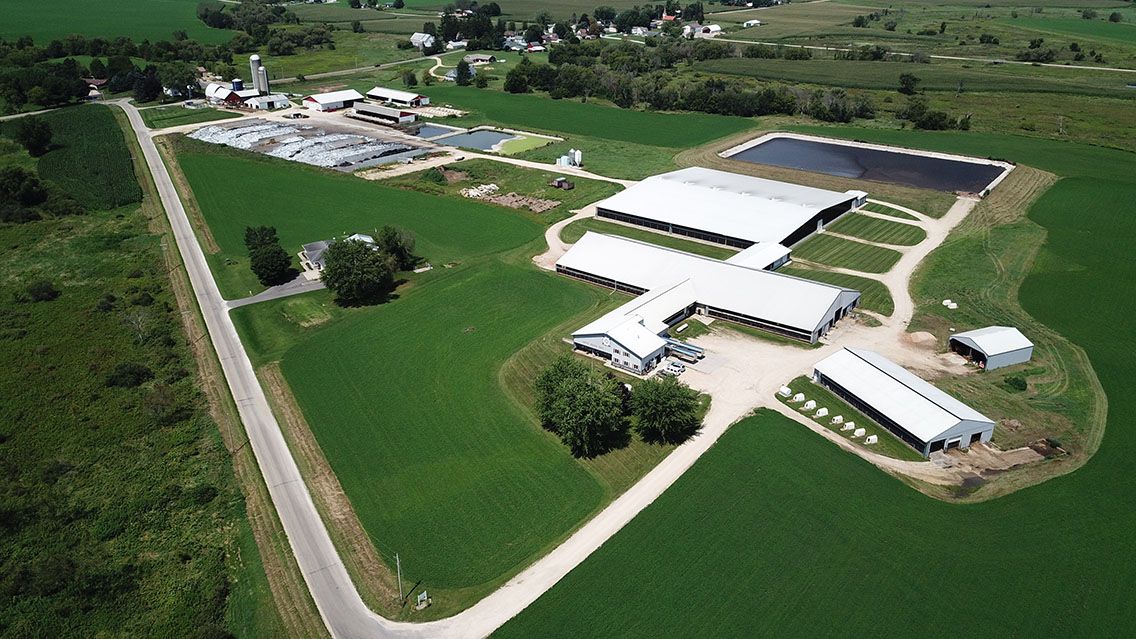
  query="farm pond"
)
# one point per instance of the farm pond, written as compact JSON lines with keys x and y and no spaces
{"x":892,"y":167}
{"x":481,"y":140}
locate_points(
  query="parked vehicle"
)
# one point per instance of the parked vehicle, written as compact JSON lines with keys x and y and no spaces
{"x":676,"y":368}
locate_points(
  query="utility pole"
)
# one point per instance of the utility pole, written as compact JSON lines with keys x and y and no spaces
{"x":398,"y":563}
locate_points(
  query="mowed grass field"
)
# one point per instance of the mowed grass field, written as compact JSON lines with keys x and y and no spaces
{"x":574,"y":231}
{"x":887,"y":210}
{"x":874,"y":296}
{"x":762,"y":568}
{"x":162,"y":117}
{"x":874,"y":229}
{"x":138,"y":19}
{"x":842,"y":253}
{"x":571,"y":117}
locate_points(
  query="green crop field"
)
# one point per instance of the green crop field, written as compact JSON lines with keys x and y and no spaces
{"x":887,"y":210}
{"x":438,"y":462}
{"x":842,"y":253}
{"x":286,"y":194}
{"x":576,"y":230}
{"x":427,"y":387}
{"x":874,"y":296}
{"x":877,"y":533}
{"x":88,"y":158}
{"x":162,"y":117}
{"x":874,"y":229}
{"x":1085,"y":31}
{"x":138,"y":19}
{"x":575,"y":118}
{"x":937,"y":76}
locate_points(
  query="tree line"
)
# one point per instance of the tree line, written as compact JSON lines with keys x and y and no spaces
{"x":593,"y":411}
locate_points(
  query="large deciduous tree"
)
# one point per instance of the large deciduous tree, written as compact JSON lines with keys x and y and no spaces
{"x":666,"y":409}
{"x":35,"y":135}
{"x":358,"y":273}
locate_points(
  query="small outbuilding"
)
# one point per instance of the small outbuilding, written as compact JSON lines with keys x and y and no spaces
{"x":924,"y":417}
{"x":480,"y":58}
{"x":751,"y":23}
{"x":993,"y":347}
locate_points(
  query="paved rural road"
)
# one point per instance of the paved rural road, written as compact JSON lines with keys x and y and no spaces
{"x":339,"y":603}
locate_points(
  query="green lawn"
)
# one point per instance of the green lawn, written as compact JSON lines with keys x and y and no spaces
{"x":351,"y":50}
{"x":842,"y":253}
{"x":138,"y":19}
{"x":887,"y":444}
{"x":874,"y":295}
{"x":576,"y":230}
{"x":162,"y":117}
{"x":887,"y":210}
{"x":669,"y":130}
{"x":862,"y":567}
{"x":874,"y":229}
{"x":1099,"y":30}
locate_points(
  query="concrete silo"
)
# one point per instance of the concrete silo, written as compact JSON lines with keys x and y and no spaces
{"x":262,"y":81}
{"x":254,"y":66}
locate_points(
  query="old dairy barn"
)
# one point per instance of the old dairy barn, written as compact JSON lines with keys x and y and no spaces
{"x":674,"y":284}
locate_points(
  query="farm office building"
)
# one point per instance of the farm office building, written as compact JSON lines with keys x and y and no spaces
{"x":993,"y":347}
{"x":781,"y":304}
{"x":727,"y":208}
{"x":924,"y":417}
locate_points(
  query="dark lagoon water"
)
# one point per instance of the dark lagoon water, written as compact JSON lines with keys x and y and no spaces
{"x":872,"y":164}
{"x":430,"y":130}
{"x":481,"y":140}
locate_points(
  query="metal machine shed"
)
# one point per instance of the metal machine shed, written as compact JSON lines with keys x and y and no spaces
{"x":384,"y":113}
{"x":728,"y":208}
{"x":924,"y":417}
{"x":993,"y":347}
{"x":394,"y":96}
{"x":332,"y":101}
{"x":790,"y":306}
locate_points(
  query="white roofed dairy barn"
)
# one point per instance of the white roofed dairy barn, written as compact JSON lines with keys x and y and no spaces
{"x":993,"y":347}
{"x":728,"y":208}
{"x":790,"y":306}
{"x":332,"y":101}
{"x":924,"y":417}
{"x":394,"y":96}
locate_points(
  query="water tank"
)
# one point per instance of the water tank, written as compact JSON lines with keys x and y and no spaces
{"x":238,"y":84}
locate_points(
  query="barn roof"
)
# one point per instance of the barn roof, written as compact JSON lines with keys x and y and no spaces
{"x":918,"y":407}
{"x":345,"y":95}
{"x":994,"y":340}
{"x":773,"y":297}
{"x":741,"y":206}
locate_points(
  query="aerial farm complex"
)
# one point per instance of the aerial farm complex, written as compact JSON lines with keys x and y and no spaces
{"x":521,"y":319}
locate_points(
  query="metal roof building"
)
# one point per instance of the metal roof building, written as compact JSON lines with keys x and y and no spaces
{"x":923,"y":416}
{"x":728,"y":208}
{"x":993,"y":347}
{"x":384,"y":113}
{"x":332,"y":101}
{"x":394,"y":96}
{"x":790,"y":306}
